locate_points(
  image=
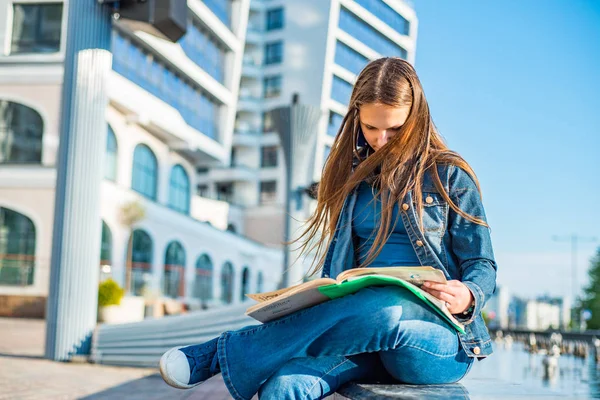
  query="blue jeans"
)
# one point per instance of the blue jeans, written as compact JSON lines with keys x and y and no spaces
{"x":378,"y":333}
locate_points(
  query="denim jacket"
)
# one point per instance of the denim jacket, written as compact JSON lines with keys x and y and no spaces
{"x":451,"y":243}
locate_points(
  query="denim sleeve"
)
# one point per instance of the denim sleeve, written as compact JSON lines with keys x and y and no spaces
{"x":471,"y":242}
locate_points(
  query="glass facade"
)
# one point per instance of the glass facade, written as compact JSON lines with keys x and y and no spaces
{"x":221,"y":8}
{"x":203,"y":49}
{"x":386,"y":14}
{"x":341,"y":90}
{"x":141,"y":67}
{"x":144,"y":174}
{"x":349,"y":58}
{"x":364,"y":32}
{"x":179,"y":190}
{"x":21,"y":131}
{"x":36,"y":28}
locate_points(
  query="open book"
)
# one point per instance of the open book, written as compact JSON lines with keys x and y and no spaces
{"x":276,"y":304}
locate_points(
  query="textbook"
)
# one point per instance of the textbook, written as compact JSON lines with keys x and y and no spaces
{"x":278,"y":303}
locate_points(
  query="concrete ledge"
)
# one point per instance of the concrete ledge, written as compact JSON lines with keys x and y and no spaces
{"x":356,"y":391}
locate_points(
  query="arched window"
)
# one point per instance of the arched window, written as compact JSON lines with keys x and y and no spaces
{"x":21,"y":130}
{"x":179,"y":190}
{"x":259,"y":282}
{"x":17,"y":248}
{"x":245,"y":283}
{"x":106,"y":245}
{"x":204,"y":275}
{"x":141,"y":261}
{"x":144,"y":176}
{"x":227,"y":283}
{"x":174,"y":267}
{"x":110,"y":161}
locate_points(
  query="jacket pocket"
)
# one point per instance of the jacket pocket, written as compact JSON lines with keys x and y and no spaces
{"x":435,"y":213}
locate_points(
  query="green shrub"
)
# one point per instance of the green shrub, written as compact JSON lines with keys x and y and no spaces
{"x":109,"y":293}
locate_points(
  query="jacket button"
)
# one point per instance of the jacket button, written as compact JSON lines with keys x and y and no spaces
{"x":476,"y":350}
{"x":429,"y":200}
{"x":419,"y":243}
{"x":405,"y":206}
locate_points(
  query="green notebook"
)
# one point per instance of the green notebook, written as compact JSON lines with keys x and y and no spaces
{"x":352,"y":286}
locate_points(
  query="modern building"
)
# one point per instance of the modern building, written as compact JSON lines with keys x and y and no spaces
{"x":172,"y":107}
{"x":314,"y":49}
{"x":536,"y":314}
{"x":497,"y":308}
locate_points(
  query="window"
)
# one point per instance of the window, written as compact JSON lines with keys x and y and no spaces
{"x":106,"y":245}
{"x":268,"y":192}
{"x":174,"y":267}
{"x":245,"y":284}
{"x":231,"y":228}
{"x":272,"y":86}
{"x":225,"y":192}
{"x":221,"y":8}
{"x":142,"y":250}
{"x":335,"y":122}
{"x":227,"y":283}
{"x":204,"y":49}
{"x":144,"y":177}
{"x":17,"y":248}
{"x":349,"y":58}
{"x":202,"y":190}
{"x":179,"y":190}
{"x":21,"y":130}
{"x":36,"y":28}
{"x":275,"y":19}
{"x":267,"y":122}
{"x":268,"y":156}
{"x":341,"y":90}
{"x":274,"y":52}
{"x":386,"y":14}
{"x":364,"y":32}
{"x":204,"y":275}
{"x":110,"y":162}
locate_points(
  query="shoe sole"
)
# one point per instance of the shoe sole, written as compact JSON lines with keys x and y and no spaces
{"x":165,"y":373}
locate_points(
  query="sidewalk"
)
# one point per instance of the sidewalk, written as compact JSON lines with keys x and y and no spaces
{"x":26,"y":375}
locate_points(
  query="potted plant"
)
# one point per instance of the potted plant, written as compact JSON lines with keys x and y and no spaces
{"x":109,"y":299}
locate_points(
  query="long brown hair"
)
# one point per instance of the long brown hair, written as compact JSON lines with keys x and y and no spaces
{"x":397,"y":167}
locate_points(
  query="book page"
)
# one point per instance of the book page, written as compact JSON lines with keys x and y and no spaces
{"x":266,"y":296}
{"x":414,"y":275}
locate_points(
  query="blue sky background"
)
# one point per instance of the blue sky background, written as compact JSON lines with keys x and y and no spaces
{"x":514,"y":87}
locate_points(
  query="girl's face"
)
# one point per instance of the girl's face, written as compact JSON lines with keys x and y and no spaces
{"x":380,"y":122}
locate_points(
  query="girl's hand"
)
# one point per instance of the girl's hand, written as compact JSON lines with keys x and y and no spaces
{"x":456,"y":294}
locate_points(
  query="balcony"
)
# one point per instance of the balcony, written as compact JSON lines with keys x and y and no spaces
{"x":251,"y":68}
{"x":254,"y":35}
{"x":235,"y":173}
{"x":249,"y":101}
{"x":247,"y":138}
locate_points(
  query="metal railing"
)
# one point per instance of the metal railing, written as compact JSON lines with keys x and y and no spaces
{"x":141,"y":344}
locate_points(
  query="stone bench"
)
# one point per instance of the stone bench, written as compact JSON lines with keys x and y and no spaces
{"x":356,"y":391}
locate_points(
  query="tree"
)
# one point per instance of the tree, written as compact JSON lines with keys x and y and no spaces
{"x":131,"y":213}
{"x":591,"y":297}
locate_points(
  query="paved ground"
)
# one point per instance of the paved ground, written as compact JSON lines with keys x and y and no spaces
{"x":25,"y":374}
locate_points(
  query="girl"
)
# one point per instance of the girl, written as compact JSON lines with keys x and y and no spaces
{"x":391,"y":194}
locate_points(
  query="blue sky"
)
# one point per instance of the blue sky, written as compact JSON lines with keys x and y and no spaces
{"x":514,"y":87}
